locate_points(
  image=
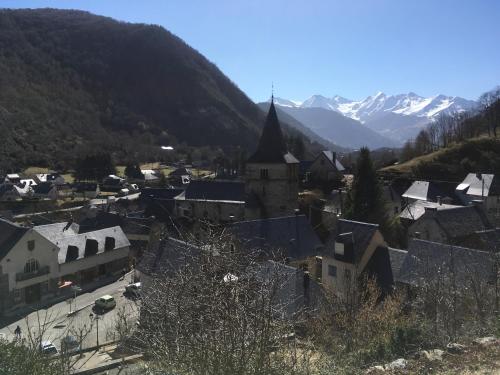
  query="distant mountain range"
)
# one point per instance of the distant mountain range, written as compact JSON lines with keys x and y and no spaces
{"x":399,"y":117}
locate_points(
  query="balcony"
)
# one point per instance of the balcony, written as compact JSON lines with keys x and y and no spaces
{"x":21,"y":276}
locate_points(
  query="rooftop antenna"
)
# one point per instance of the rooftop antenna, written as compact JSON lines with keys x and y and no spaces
{"x":272,"y":92}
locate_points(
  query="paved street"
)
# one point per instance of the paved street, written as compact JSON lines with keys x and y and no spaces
{"x":54,"y":323}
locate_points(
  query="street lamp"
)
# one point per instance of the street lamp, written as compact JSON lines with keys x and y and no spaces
{"x":96,"y":319}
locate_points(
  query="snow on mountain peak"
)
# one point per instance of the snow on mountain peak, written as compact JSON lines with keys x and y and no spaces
{"x":402,"y":104}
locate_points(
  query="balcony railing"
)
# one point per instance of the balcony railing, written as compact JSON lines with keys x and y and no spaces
{"x":21,"y":276}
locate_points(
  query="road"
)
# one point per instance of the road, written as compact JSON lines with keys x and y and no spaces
{"x":54,"y":323}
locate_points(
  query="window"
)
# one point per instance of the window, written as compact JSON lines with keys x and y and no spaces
{"x":91,"y":247}
{"x":31,"y":245}
{"x":332,"y":271}
{"x":71,"y":253}
{"x":109,"y":243}
{"x":263,"y":191}
{"x":396,"y":210}
{"x":322,"y":161}
{"x":17,"y":295}
{"x":31,"y":266}
{"x":264,"y":174}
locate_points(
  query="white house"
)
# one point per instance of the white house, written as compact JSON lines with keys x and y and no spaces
{"x":34,"y":261}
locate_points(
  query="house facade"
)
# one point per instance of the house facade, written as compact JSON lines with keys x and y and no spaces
{"x":485,"y":188}
{"x":34,"y":263}
{"x":356,"y":249}
{"x":326,"y":168}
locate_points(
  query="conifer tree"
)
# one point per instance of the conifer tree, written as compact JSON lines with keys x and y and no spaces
{"x":365,"y":201}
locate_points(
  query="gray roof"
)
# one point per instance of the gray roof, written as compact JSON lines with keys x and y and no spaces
{"x":332,"y":158}
{"x":428,"y":261}
{"x":397,"y":257}
{"x":10,"y":233}
{"x":43,"y":188}
{"x":215,"y":190}
{"x":461,"y":221}
{"x":358,"y":232}
{"x":423,"y":190}
{"x":479,"y":185}
{"x":292,"y":235}
{"x":169,"y":256}
{"x":61,"y":238}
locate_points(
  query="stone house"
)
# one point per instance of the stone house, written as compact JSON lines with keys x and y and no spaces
{"x":325,"y":169}
{"x":355,"y":250}
{"x":484,"y":187}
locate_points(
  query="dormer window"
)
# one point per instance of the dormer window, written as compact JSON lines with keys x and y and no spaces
{"x":109,"y":243}
{"x":91,"y":247}
{"x":339,"y":248}
{"x":31,"y":245}
{"x":71,"y":253}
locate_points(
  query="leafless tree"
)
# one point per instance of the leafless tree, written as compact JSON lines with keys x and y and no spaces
{"x":217,"y":310}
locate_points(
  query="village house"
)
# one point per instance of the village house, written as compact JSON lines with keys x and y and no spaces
{"x":212,"y":200}
{"x":45,"y":190}
{"x":325,"y":170}
{"x":355,"y":250}
{"x":35,"y":261}
{"x":54,"y":178}
{"x":180,"y":176}
{"x":271,"y":174}
{"x":483,"y":187}
{"x":451,"y":225}
{"x":9,"y":192}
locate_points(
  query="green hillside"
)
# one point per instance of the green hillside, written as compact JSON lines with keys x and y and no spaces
{"x":453,"y":162}
{"x":71,"y":82}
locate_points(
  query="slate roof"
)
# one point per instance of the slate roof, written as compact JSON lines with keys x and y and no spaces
{"x":358,"y":232}
{"x":462,"y":220}
{"x":102,"y":220}
{"x":160,"y":193}
{"x":427,"y":261}
{"x":10,"y":233}
{"x":168,"y":257}
{"x":332,"y":158}
{"x":272,"y":147}
{"x":43,"y":188}
{"x":70,"y":237}
{"x":214,"y":190}
{"x":480,"y":185}
{"x":397,"y":258}
{"x":293,"y":235}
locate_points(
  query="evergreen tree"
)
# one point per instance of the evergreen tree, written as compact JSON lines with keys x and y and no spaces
{"x":94,"y":167}
{"x":365,"y":201}
{"x":133,"y":171}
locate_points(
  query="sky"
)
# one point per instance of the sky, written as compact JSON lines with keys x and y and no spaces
{"x":352,"y":48}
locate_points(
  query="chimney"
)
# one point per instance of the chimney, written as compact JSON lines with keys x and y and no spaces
{"x":439,"y":200}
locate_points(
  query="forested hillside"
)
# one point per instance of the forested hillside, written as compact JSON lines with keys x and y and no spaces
{"x":71,"y":82}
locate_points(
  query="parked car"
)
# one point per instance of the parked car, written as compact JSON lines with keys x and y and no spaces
{"x":46,"y":347}
{"x":106,"y":302}
{"x":70,"y":344}
{"x":133,"y":289}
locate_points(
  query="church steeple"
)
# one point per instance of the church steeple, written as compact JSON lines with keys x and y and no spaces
{"x":272,"y":147}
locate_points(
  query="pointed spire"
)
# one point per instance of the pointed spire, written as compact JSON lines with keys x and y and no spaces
{"x":272,"y":147}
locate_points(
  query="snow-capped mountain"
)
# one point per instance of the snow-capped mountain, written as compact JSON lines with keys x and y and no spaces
{"x":399,"y":117}
{"x":409,"y":104}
